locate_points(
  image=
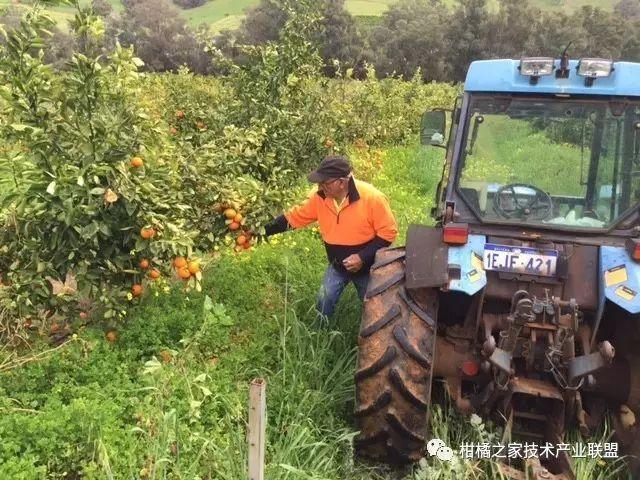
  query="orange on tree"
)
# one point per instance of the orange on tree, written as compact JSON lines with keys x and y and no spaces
{"x":238,"y":217}
{"x":136,"y":162}
{"x":83,"y":315}
{"x":111,"y":336}
{"x":154,"y":273}
{"x":234,"y":226}
{"x":173,"y":130}
{"x":147,"y":233}
{"x":194,"y":267}
{"x":230,"y":213}
{"x":180,"y":262}
{"x":179,"y":114}
{"x":136,"y":290}
{"x":144,"y":264}
{"x":184,"y":273}
{"x":241,"y":240}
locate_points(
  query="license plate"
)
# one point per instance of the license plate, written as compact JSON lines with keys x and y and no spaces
{"x":529,"y":261}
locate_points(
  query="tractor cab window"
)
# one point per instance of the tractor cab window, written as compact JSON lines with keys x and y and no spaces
{"x":574,"y":163}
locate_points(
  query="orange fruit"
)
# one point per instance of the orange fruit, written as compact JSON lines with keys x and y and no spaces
{"x":84,"y":315}
{"x":247,"y":246}
{"x":179,"y":114}
{"x":234,"y":226}
{"x":136,"y":162}
{"x":194,"y":267}
{"x":180,"y":262}
{"x":173,"y":130}
{"x":136,"y":290}
{"x":147,"y":233}
{"x":165,"y":355}
{"x":201,"y":126}
{"x":144,"y":264}
{"x":329,"y":143}
{"x":241,"y":240}
{"x":238,"y":218}
{"x":154,"y":273}
{"x":230,"y":213}
{"x":111,"y":336}
{"x":184,"y":273}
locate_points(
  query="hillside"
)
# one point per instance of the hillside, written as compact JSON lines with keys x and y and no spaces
{"x":228,"y":14}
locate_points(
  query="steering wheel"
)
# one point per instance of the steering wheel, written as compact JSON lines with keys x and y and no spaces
{"x":507,"y":204}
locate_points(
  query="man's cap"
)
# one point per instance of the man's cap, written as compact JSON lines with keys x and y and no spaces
{"x":332,"y":166}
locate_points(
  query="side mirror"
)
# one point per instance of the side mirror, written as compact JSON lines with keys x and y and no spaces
{"x":432,"y":128}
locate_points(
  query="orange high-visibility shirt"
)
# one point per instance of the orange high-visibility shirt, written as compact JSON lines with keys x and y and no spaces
{"x":363,"y":222}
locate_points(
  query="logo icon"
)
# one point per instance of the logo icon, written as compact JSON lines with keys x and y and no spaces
{"x":437,"y":448}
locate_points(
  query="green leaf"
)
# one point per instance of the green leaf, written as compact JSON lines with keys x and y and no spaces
{"x":80,"y":181}
{"x":208,"y":303}
{"x":151,"y":366}
{"x":51,"y":188}
{"x":97,"y":191}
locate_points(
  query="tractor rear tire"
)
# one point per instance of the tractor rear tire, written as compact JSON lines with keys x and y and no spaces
{"x":396,"y":351}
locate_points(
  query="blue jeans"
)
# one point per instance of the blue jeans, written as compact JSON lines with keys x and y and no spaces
{"x":333,"y":284}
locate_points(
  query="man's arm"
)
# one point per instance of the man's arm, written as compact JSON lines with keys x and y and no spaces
{"x":277,"y":225}
{"x":297,"y":217}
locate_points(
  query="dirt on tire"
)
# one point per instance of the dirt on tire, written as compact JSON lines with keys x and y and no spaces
{"x":396,"y":348}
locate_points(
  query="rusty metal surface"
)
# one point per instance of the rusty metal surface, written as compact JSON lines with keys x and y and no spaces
{"x":449,"y":358}
{"x":539,"y":388}
{"x":426,"y":258}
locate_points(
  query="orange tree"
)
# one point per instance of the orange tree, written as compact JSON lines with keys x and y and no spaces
{"x":244,"y":143}
{"x":88,"y":181}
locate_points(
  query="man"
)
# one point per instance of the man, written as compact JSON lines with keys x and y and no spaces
{"x":355,"y":221}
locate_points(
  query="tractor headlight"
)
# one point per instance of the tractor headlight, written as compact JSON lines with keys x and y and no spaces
{"x":595,"y":67}
{"x":536,"y":67}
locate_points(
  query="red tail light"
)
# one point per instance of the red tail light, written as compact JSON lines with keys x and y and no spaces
{"x":456,"y":233}
{"x":633,"y":248}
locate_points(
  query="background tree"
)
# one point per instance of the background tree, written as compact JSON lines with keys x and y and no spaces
{"x":160,"y":36}
{"x":412,"y":35}
{"x":467,"y":35}
{"x":337,"y":37}
{"x":102,"y":8}
{"x":510,"y":29}
{"x":189,"y":3}
{"x":628,"y":9}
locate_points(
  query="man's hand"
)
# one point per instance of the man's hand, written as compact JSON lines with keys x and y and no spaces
{"x":353,"y":263}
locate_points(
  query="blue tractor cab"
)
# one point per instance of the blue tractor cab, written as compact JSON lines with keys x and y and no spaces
{"x":524,"y":297}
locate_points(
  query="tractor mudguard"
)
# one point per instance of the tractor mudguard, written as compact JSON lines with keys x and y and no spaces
{"x":467,"y":260}
{"x":426,"y":258}
{"x":432,"y":263}
{"x":620,"y":278}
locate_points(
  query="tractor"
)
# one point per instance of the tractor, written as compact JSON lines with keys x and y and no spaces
{"x":523,"y":298}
